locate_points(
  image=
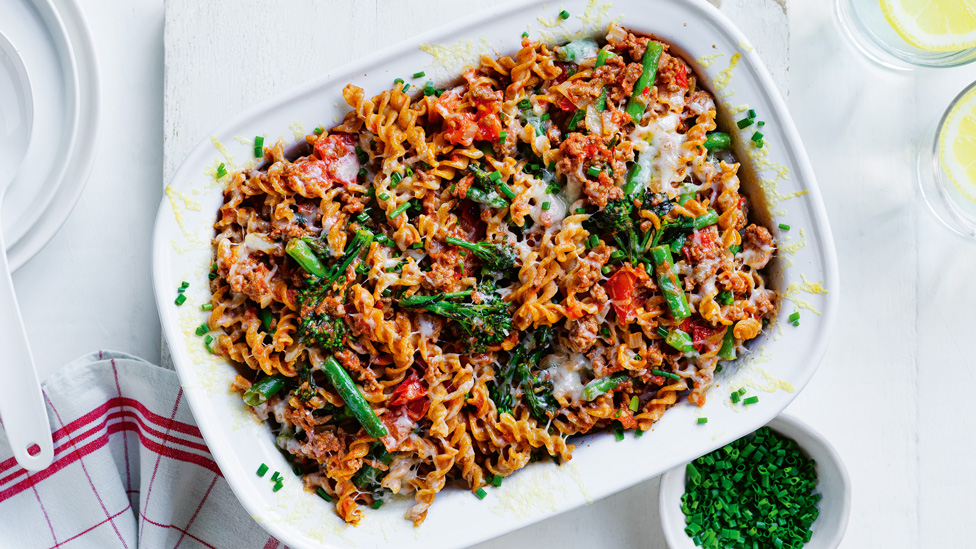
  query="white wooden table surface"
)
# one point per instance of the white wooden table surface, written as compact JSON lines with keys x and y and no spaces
{"x":894,"y":393}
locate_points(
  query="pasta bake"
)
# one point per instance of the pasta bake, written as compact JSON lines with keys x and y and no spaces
{"x":452,"y":283}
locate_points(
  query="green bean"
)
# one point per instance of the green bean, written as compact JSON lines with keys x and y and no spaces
{"x":354,"y":399}
{"x":727,"y":352}
{"x":300,"y":251}
{"x":680,"y":340}
{"x":577,"y":116}
{"x":702,"y":221}
{"x":667,"y":281}
{"x":263,"y":389}
{"x":652,"y":56}
{"x":600,"y":386}
{"x":717,"y":141}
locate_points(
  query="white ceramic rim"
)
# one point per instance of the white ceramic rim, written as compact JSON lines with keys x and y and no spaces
{"x":169,"y":268}
{"x":77,"y":51}
{"x":672,"y":486}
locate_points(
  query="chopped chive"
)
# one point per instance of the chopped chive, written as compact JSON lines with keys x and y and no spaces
{"x":545,"y":206}
{"x":702,"y":420}
{"x":258,"y":146}
{"x":593,"y":171}
{"x":385,"y":196}
{"x":405,"y":87}
{"x":377,"y":504}
{"x":502,"y":135}
{"x":634,"y":403}
{"x":580,"y":210}
{"x":420,"y":74}
{"x":184,"y":285}
{"x":397,"y":81}
{"x":180,"y":299}
{"x":495,"y":176}
{"x":481,"y":493}
{"x":277,"y":486}
{"x":319,"y":131}
{"x":757,"y":137}
{"x":662,"y":331}
{"x":400,"y":209}
{"x":726,"y":297}
{"x":744,"y":123}
{"x":552,"y":189}
{"x":221,"y":172}
{"x":618,"y":433}
{"x":276,"y":476}
{"x":396,"y":178}
{"x":593,"y":241}
{"x":751,"y":400}
{"x":212,"y":276}
{"x":606,"y":270}
{"x":662,"y":373}
{"x":752,"y":113}
{"x":639,"y":433}
{"x":206,"y":307}
{"x":525,"y":34}
{"x":795,"y":316}
{"x":417,"y":246}
{"x":735,"y":397}
{"x":784,"y":226}
{"x":262,"y":470}
{"x":207,"y":341}
{"x":496,"y":481}
{"x":202,"y":329}
{"x":429,"y":88}
{"x":525,"y":104}
{"x":564,"y":14}
{"x":544,"y":117}
{"x":507,"y":191}
{"x":741,"y":391}
{"x":760,"y":123}
{"x":322,"y":494}
{"x":735,"y":248}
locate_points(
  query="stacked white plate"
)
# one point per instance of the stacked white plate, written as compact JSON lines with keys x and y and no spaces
{"x":55,"y":45}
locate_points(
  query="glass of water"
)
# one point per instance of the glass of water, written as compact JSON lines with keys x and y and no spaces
{"x":946,"y":165}
{"x":865,"y":24}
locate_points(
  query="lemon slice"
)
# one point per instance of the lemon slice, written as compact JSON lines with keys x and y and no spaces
{"x":933,"y":25}
{"x":957,"y":145}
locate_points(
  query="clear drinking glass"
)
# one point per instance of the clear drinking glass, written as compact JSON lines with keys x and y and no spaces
{"x":946,"y":200}
{"x":866,"y":26}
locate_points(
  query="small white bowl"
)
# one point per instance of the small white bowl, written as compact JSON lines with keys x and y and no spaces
{"x":833,"y":485}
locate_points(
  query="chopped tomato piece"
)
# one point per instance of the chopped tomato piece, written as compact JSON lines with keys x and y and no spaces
{"x":409,"y":390}
{"x":703,"y":333}
{"x":417,"y":409}
{"x":574,"y":312}
{"x":337,"y":159}
{"x":681,"y":76}
{"x":620,"y":289}
{"x":565,"y":105}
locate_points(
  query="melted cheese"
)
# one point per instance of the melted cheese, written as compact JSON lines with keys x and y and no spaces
{"x":564,"y":372}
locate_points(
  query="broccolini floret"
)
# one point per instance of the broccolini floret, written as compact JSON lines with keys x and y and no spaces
{"x":323,"y":330}
{"x":516,"y":380}
{"x":497,"y":259}
{"x":317,"y":285}
{"x":487,"y":322}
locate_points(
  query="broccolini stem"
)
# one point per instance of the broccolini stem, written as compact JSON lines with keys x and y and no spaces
{"x":709,"y":218}
{"x":354,"y":399}
{"x":477,"y":195}
{"x":727,"y":352}
{"x":306,"y":258}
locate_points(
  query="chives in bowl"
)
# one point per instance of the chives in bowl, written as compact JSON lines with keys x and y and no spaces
{"x":781,"y":487}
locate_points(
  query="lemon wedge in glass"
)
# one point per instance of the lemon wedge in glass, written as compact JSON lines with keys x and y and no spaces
{"x":957,"y":145}
{"x":933,"y":25}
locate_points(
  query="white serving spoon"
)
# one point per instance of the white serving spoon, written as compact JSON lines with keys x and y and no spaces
{"x":22,"y":407}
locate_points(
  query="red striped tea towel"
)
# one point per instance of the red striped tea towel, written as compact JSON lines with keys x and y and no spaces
{"x":130,"y":468}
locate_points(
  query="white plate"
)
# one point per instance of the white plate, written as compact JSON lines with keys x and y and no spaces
{"x":601,"y":466}
{"x":56,"y":47}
